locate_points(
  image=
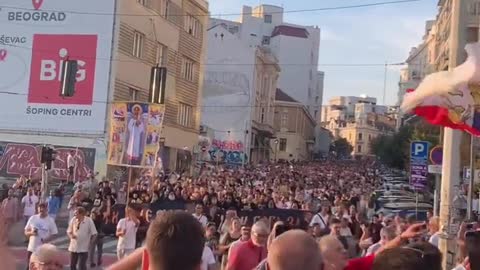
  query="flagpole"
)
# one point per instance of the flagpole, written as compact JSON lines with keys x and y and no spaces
{"x":452,"y":138}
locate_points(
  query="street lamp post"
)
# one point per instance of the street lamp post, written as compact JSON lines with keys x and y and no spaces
{"x":276,"y":148}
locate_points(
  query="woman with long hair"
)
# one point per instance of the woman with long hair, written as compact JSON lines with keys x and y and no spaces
{"x":227,"y":238}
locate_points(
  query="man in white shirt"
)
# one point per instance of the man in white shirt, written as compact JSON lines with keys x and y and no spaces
{"x":29,"y":204}
{"x":81,"y":231}
{"x":322,"y":218}
{"x":208,"y":260}
{"x":127,"y":231}
{"x":198,"y":215}
{"x":71,"y":166}
{"x":40,"y":229}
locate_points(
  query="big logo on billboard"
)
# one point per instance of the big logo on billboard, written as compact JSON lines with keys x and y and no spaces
{"x":48,"y":55}
{"x":37,"y":15}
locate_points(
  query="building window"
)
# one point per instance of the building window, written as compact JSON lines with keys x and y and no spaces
{"x":161,"y":55}
{"x":138,"y":42}
{"x":233,"y":29}
{"x":192,"y":25}
{"x":143,"y":2}
{"x":369,"y":137}
{"x":185,"y":115}
{"x":359,"y":149}
{"x":167,"y":7}
{"x":266,"y":40}
{"x":267,"y":18}
{"x":262,"y":116}
{"x":284,"y":119}
{"x":317,"y":99}
{"x":188,"y":69}
{"x":360,"y":136}
{"x":133,"y":94}
{"x":283,"y":145}
{"x":315,"y":114}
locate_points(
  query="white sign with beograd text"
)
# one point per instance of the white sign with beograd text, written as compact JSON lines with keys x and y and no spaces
{"x":36,"y":37}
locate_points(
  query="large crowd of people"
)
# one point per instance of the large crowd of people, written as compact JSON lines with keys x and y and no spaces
{"x":334,"y":197}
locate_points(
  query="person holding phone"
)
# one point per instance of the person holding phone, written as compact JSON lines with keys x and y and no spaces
{"x":40,"y":229}
{"x":126,"y":232}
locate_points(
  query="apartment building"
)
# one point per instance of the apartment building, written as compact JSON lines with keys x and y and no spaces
{"x":172,"y":34}
{"x":294,"y":129}
{"x":238,"y":99}
{"x":359,"y":120}
{"x":295,"y":46}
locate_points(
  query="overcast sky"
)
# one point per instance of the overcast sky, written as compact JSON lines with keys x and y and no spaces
{"x":369,"y":35}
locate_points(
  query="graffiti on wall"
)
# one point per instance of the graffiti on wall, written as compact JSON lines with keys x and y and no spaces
{"x":228,"y":151}
{"x":24,"y":159}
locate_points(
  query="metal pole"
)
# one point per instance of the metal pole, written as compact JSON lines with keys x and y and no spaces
{"x":472,"y":178}
{"x":75,"y":166}
{"x":385,"y":83}
{"x":436,"y":199}
{"x":44,"y":183}
{"x":128,"y":184}
{"x":416,"y":205}
{"x":452,"y":138}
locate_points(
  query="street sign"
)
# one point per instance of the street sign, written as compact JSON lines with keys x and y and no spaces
{"x":435,"y":169}
{"x":419,"y":150}
{"x":418,"y":164}
{"x":436,"y":155}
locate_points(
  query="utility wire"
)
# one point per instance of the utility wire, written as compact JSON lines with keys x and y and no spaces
{"x":112,"y":102}
{"x":83,"y":57}
{"x":219,"y":14}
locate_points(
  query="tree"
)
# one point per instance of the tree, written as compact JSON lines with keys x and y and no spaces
{"x":393,"y":149}
{"x":341,"y":147}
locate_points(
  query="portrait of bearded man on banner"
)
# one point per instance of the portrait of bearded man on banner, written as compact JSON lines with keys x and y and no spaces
{"x":136,"y":133}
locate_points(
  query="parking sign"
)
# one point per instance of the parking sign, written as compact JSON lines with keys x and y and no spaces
{"x":419,"y":150}
{"x":418,"y":164}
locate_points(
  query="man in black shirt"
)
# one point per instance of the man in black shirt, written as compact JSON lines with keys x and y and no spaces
{"x":97,"y":242}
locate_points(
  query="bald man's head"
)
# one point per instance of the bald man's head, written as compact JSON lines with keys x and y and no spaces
{"x":294,"y":250}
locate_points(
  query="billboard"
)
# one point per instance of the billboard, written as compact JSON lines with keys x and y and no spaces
{"x":135,"y":134}
{"x":18,"y":159}
{"x":36,"y":37}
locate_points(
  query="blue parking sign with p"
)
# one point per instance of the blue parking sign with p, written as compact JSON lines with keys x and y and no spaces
{"x":419,"y":150}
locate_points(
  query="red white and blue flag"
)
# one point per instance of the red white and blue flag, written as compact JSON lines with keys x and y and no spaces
{"x":450,"y":98}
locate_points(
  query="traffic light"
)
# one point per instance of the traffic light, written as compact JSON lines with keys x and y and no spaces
{"x":47,"y":157}
{"x":69,"y":78}
{"x":43,"y":156}
{"x":158,"y":79}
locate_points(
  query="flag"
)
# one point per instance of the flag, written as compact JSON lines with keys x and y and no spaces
{"x":450,"y":98}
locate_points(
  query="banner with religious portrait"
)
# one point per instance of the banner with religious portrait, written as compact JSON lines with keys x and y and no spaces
{"x":135,"y":134}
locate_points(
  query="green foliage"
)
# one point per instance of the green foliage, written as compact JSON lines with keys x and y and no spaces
{"x":341,"y":147}
{"x":394,"y":150}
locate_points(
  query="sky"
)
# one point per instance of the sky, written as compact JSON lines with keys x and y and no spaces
{"x":368,"y":35}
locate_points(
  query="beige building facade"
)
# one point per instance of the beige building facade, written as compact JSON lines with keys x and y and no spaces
{"x":262,"y":125}
{"x":172,"y":34}
{"x":359,"y":120}
{"x":294,"y":129}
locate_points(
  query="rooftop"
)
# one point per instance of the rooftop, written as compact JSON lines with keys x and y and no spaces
{"x":290,"y":31}
{"x":282,"y":96}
